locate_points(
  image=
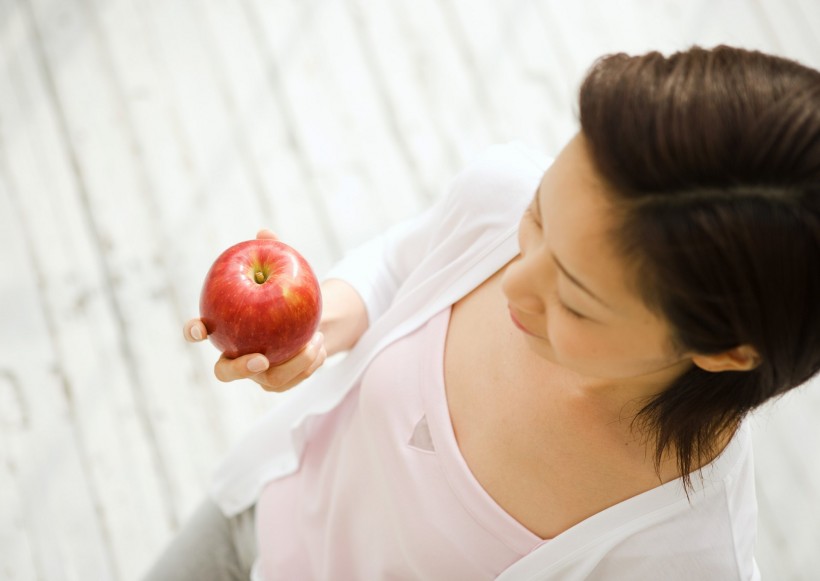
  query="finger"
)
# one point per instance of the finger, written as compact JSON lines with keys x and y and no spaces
{"x":194,"y":331}
{"x":321,"y":356}
{"x":317,"y":363}
{"x":243,"y":367}
{"x":295,"y":370}
{"x":265,"y":234}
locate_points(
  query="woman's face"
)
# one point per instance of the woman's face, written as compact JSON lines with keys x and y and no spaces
{"x":569,"y":292}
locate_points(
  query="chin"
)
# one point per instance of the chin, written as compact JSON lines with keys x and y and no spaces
{"x":545,"y":351}
{"x":542,"y":348}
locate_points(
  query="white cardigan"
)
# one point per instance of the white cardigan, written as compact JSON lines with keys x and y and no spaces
{"x":420,"y":267}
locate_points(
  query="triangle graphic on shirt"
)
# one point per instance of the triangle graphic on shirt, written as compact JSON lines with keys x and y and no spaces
{"x":421,"y":437}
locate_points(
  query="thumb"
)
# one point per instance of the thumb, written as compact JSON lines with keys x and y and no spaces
{"x":265,"y":234}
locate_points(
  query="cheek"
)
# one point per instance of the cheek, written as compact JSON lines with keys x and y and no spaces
{"x":600,"y":352}
{"x":572,"y":340}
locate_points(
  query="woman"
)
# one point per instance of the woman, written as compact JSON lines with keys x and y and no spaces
{"x":559,"y":395}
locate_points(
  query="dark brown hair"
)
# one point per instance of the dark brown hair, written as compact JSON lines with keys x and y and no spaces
{"x":714,"y":158}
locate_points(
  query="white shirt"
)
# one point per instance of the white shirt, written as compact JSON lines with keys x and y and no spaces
{"x":420,"y":267}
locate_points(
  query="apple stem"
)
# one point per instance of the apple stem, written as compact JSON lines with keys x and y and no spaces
{"x":259,"y":276}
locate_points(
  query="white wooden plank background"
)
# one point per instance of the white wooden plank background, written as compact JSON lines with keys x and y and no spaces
{"x":138,"y":138}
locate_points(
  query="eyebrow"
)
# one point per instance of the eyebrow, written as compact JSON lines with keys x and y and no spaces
{"x":560,"y":266}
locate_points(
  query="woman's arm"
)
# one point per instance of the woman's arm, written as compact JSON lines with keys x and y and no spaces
{"x":344,"y":319}
{"x":344,"y":316}
{"x":363,"y":285}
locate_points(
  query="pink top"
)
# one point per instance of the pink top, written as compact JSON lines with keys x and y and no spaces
{"x":383,"y":491}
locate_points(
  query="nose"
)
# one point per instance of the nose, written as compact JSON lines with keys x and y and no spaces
{"x":526,"y":282}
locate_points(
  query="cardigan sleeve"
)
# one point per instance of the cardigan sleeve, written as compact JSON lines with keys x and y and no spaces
{"x":378,"y":268}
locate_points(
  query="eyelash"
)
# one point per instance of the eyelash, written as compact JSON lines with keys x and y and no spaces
{"x":570,"y":312}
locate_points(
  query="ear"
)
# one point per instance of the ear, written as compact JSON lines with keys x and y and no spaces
{"x":740,"y":358}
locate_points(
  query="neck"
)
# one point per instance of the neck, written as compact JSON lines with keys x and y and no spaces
{"x":623,"y":397}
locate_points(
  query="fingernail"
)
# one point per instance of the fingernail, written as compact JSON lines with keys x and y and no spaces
{"x":196,"y":333}
{"x":257,"y":364}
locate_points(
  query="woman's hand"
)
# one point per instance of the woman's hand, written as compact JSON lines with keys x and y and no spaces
{"x":256,"y":366}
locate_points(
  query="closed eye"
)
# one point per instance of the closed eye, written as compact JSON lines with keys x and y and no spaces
{"x":571,"y":312}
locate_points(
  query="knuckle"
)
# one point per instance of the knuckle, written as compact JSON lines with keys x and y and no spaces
{"x":263,"y":382}
{"x":273,"y":377}
{"x":279,"y":380}
{"x":277,"y":388}
{"x":310,"y":370}
{"x":222,"y":371}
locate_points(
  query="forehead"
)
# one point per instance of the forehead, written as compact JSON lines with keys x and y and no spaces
{"x":578,"y":206}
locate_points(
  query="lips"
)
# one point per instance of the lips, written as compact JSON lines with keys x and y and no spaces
{"x":518,"y":324}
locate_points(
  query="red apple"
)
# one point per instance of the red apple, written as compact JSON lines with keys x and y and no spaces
{"x":260,"y":296}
